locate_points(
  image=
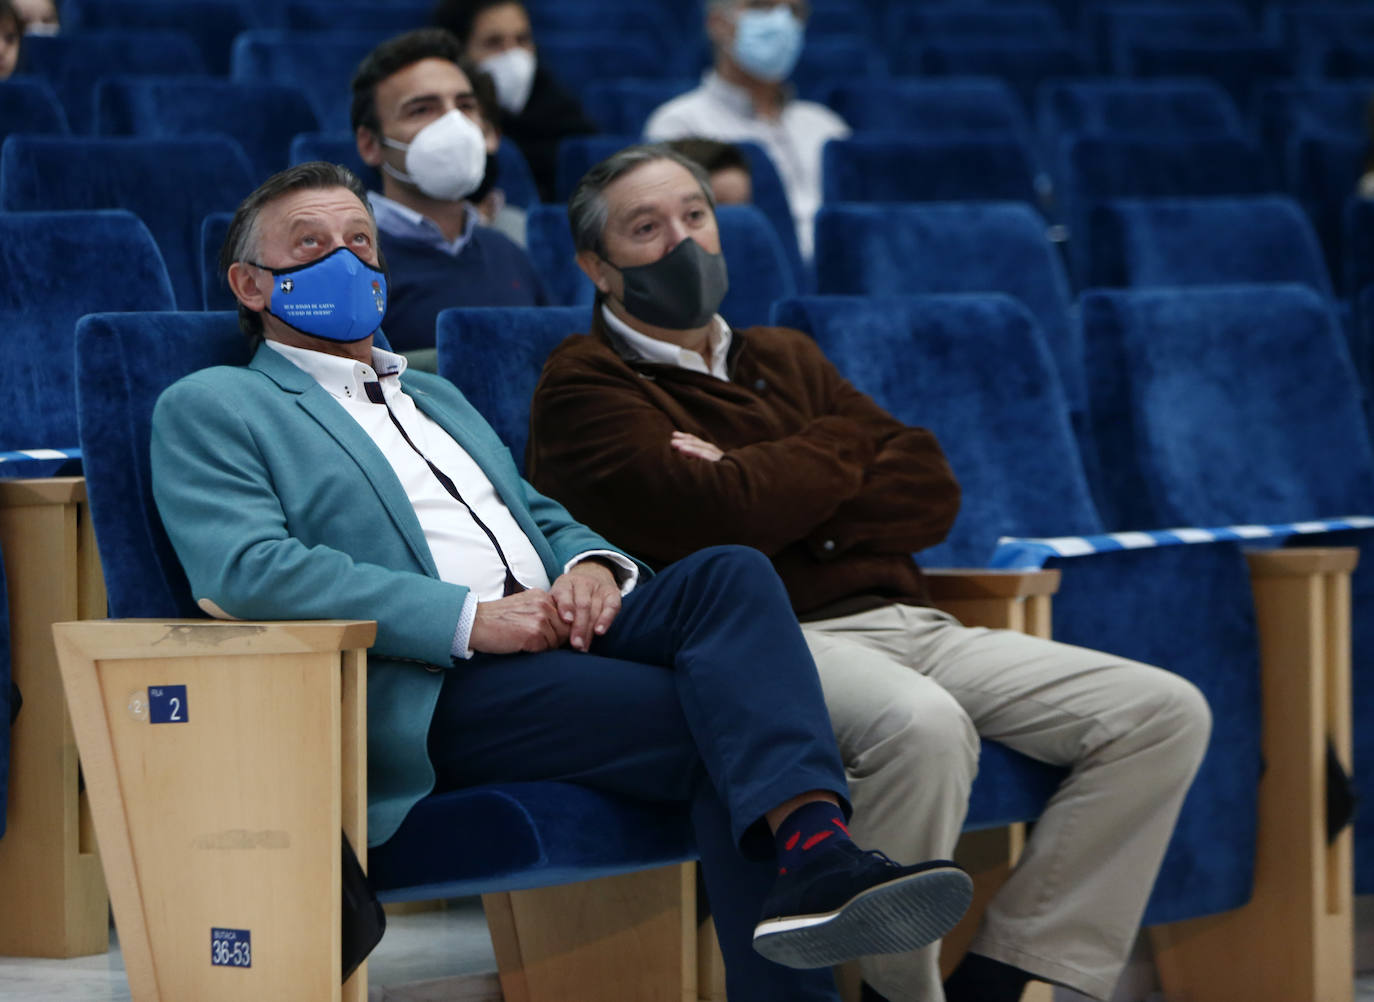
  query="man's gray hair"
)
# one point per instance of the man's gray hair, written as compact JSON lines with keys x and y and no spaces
{"x":241,"y":241}
{"x":587,"y":208}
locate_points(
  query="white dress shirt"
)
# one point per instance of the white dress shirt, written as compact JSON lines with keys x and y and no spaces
{"x":462,"y":552}
{"x":651,"y":349}
{"x":721,"y":110}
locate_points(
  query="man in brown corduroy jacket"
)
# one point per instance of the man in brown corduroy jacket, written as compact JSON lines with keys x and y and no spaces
{"x":668,"y":431}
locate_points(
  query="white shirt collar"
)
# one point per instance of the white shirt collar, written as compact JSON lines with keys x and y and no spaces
{"x":343,"y":377}
{"x":651,"y":349}
{"x":404,"y":223}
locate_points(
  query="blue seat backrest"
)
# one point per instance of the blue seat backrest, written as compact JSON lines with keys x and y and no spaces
{"x":1109,"y":27}
{"x":29,"y":104}
{"x":972,"y":369}
{"x":495,"y":354}
{"x":578,"y":154}
{"x":1023,"y":63}
{"x":577,"y":59}
{"x":1157,"y":109}
{"x":908,"y":23}
{"x":1313,"y":31}
{"x":335,"y":148}
{"x":899,"y":168}
{"x":1285,"y":109}
{"x":172,"y":184}
{"x":382,"y":19}
{"x":959,"y":105}
{"x":1214,"y":406}
{"x":74,"y":63}
{"x":939,"y":362}
{"x":1357,"y":243}
{"x":515,"y":177}
{"x":1239,"y":67}
{"x":621,"y":107}
{"x":1321,"y":171}
{"x":1090,"y":170}
{"x":635,"y":24}
{"x":58,"y":266}
{"x":827,"y":61}
{"x":550,"y":245}
{"x":211,"y":24}
{"x":213,"y":229}
{"x":1203,"y":241}
{"x":320,"y":63}
{"x":887,"y":250}
{"x":115,"y":395}
{"x":261,"y":117}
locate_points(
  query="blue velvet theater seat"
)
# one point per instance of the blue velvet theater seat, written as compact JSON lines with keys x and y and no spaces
{"x":1110,"y":28}
{"x":213,"y":229}
{"x":886,"y":250}
{"x":974,"y":370}
{"x":530,"y":834}
{"x":1312,"y":30}
{"x":621,"y":107}
{"x":1321,"y":172}
{"x":1238,"y":405}
{"x":642,"y":24}
{"x":74,"y":63}
{"x":58,"y":266}
{"x":550,"y":245}
{"x":579,"y":58}
{"x":1240,"y":67}
{"x":334,"y":148}
{"x":827,"y":62}
{"x":1024,"y":64}
{"x":211,"y":24}
{"x":172,"y":184}
{"x":320,"y":63}
{"x":934,"y":168}
{"x":382,"y":19}
{"x":262,"y":117}
{"x":1092,"y":170}
{"x":1292,"y":107}
{"x":29,"y":104}
{"x":1157,"y":109}
{"x":1203,"y":241}
{"x":955,"y":105}
{"x":1357,"y":244}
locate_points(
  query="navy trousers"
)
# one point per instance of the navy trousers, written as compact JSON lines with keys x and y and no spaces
{"x":702,"y":691}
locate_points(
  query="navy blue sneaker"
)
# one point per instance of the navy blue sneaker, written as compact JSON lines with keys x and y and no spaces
{"x":847,"y":902}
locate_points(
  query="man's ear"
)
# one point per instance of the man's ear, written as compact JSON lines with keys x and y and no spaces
{"x":369,"y":146}
{"x":595,"y":268}
{"x":250,"y":286}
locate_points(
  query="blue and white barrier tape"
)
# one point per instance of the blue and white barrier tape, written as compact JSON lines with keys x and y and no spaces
{"x":1018,"y":553}
{"x":27,"y":454}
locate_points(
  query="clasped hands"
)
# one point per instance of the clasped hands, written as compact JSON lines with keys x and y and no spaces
{"x":580,"y":604}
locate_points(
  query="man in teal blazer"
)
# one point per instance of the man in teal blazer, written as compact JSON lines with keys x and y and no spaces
{"x":513,"y":643}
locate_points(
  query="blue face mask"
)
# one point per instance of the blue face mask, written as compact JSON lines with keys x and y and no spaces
{"x":768,"y":42}
{"x":340,"y":297}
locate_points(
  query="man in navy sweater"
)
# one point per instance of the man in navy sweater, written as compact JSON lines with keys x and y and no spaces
{"x":416,"y":118}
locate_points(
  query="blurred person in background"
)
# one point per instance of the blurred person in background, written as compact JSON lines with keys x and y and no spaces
{"x":11,"y":31}
{"x":732,"y":179}
{"x":537,"y":112}
{"x":745,"y":97}
{"x":39,"y":16}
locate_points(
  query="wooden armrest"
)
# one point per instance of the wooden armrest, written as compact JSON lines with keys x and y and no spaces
{"x":1301,"y":561}
{"x":222,"y":759}
{"x":948,"y":583}
{"x":48,"y":490}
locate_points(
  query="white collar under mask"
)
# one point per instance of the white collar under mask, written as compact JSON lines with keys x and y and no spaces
{"x":445,"y":160}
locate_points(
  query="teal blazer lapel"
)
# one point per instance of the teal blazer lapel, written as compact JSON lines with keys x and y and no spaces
{"x":316,"y":401}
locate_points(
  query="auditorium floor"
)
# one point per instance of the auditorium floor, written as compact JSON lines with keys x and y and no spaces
{"x":434,"y":956}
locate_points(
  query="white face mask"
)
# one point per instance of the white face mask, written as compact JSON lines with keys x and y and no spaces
{"x":445,"y":160}
{"x":512,"y":73}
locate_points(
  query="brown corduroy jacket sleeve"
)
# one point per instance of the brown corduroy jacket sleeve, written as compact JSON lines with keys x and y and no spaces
{"x":813,"y":461}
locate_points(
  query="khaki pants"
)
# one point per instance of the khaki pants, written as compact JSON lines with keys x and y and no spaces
{"x":910,"y":691}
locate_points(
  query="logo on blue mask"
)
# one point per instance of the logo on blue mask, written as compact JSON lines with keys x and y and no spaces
{"x":340,"y":297}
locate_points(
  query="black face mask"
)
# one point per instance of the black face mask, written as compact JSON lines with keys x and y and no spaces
{"x":489,"y":178}
{"x":680,"y":291}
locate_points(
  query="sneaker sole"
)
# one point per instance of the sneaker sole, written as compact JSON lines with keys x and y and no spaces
{"x":901,"y":915}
